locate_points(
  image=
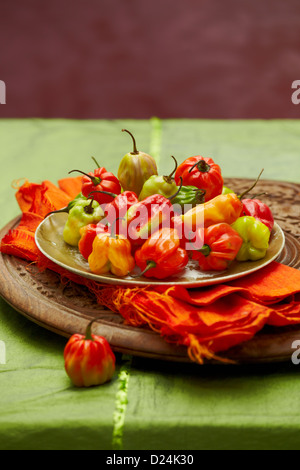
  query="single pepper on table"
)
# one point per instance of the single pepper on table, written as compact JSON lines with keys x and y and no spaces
{"x":89,"y":360}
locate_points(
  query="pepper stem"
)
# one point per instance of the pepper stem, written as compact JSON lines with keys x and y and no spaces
{"x":199,"y":196}
{"x":135,"y":151}
{"x":88,"y":331}
{"x":89,"y":209}
{"x":253,"y":185}
{"x":168,"y":179}
{"x":95,"y":179}
{"x":65,"y":209}
{"x":205,"y":250}
{"x":150,"y":265}
{"x":178,"y":191}
{"x":93,"y":158}
{"x":103,"y":192}
{"x":201,"y":165}
{"x":112,"y":233}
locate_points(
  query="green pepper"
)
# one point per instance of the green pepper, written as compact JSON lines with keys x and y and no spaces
{"x":83,"y":212}
{"x":255,"y":237}
{"x":79,"y":197}
{"x":190,"y":196}
{"x":226,"y":190}
{"x":157,"y":184}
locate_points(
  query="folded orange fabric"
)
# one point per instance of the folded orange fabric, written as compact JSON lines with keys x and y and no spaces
{"x":206,"y":320}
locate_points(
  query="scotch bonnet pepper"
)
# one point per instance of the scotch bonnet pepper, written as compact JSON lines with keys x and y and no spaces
{"x":84,"y":212}
{"x":99,"y":180}
{"x":135,"y":168}
{"x":87,"y":236}
{"x":220,"y":244}
{"x":203,"y":173}
{"x":161,"y":255}
{"x":111,"y":253}
{"x":222,"y":208}
{"x":89,"y":359}
{"x":157,"y":184}
{"x":259,"y":210}
{"x":255,"y":237}
{"x":116,"y":209}
{"x":146,"y":217}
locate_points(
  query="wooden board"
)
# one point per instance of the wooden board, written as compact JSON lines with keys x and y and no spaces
{"x":65,"y":310}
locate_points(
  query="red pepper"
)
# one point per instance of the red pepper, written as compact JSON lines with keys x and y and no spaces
{"x":161,"y":255}
{"x":203,"y":173}
{"x":100,"y":180}
{"x":88,"y":234}
{"x":146,"y":217}
{"x":220,"y":245}
{"x":117,"y":208}
{"x":89,"y":359}
{"x":259,"y":210}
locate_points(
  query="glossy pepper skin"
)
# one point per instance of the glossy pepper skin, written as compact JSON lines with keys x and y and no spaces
{"x":188,"y":197}
{"x":203,"y":173}
{"x":158,"y":184}
{"x":82,"y":213}
{"x":221,"y":244}
{"x":161,"y":255}
{"x":226,"y":190}
{"x":103,"y":180}
{"x":146,"y":217}
{"x":89,"y":360}
{"x":118,"y":207}
{"x":135,"y":168}
{"x":87,"y":236}
{"x":111,"y":253}
{"x":255,"y":237}
{"x":223,"y":208}
{"x":259,"y":210}
{"x":99,"y":180}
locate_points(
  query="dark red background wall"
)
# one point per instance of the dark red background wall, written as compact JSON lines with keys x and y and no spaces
{"x":137,"y":59}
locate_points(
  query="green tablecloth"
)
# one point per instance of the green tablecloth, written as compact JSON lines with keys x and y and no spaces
{"x":149,"y":404}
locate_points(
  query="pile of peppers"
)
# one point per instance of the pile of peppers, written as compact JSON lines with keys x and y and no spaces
{"x":151,"y":225}
{"x":142,"y":224}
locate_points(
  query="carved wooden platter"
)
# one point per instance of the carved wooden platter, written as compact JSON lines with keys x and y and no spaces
{"x":66,"y":310}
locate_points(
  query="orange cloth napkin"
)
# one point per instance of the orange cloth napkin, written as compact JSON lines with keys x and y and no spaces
{"x":205,"y":320}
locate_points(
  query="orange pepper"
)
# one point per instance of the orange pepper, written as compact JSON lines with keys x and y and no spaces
{"x":223,"y":208}
{"x":111,"y":253}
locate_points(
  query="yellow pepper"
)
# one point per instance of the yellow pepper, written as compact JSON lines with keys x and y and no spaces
{"x":111,"y":253}
{"x":223,"y":208}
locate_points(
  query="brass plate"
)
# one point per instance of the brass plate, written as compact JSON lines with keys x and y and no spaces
{"x":49,"y":239}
